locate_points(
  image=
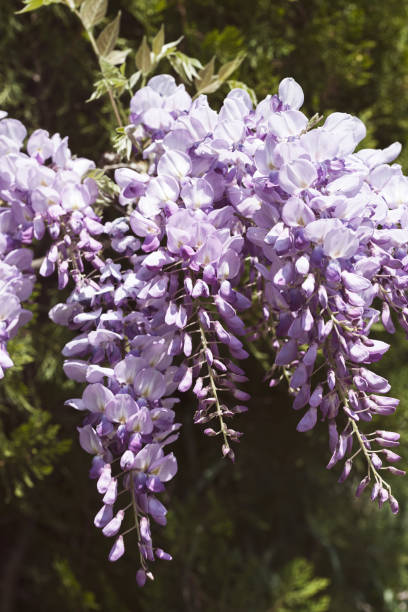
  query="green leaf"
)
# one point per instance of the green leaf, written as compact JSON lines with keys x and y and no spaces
{"x":107,"y":69}
{"x":207,"y":82}
{"x":122,"y":144}
{"x":92,"y":12}
{"x":171,"y":46}
{"x":33,"y":5}
{"x":227,"y":69}
{"x":205,"y":76}
{"x":117,"y":56}
{"x":143,"y":60}
{"x":184,"y":65}
{"x":211,"y":87}
{"x":134,"y":79}
{"x":112,"y":79}
{"x":107,"y":39}
{"x":158,"y":41}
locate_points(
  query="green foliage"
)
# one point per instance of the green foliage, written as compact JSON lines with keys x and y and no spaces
{"x":207,"y":82}
{"x":30,"y":452}
{"x":92,"y":12}
{"x":297,"y":589}
{"x":148,"y":59}
{"x":33,"y":5}
{"x":148,"y":12}
{"x":225,"y":44}
{"x":77,"y":599}
{"x":30,"y":443}
{"x":184,"y":66}
{"x":107,"y":39}
{"x":112,"y":79}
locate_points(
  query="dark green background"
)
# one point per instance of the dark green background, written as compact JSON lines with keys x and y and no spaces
{"x":256,"y":536}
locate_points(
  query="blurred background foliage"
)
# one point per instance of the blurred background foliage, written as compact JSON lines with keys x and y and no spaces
{"x":275,"y":532}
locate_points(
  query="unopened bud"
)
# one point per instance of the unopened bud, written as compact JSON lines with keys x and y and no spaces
{"x":141,"y":577}
{"x":394,"y":505}
{"x":382,"y":498}
{"x":384,"y":442}
{"x":395,"y":470}
{"x":388,"y":435}
{"x":375,"y":491}
{"x":228,"y":452}
{"x":391,"y":456}
{"x":362,"y":486}
{"x":117,"y":549}
{"x":346,"y":471}
{"x":210,"y":432}
{"x":377,"y":463}
{"x":240,"y":408}
{"x":104,"y":479}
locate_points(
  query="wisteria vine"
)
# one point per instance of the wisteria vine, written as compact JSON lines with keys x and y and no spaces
{"x":244,"y":226}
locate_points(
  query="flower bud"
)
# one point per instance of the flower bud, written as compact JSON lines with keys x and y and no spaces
{"x":104,"y":479}
{"x":103,"y":516}
{"x":391,"y":456}
{"x":394,"y":505}
{"x":362,"y":485}
{"x":111,"y":493}
{"x":346,"y":471}
{"x":382,"y":497}
{"x":117,"y":549}
{"x":113,"y":526}
{"x":141,"y":577}
{"x":375,"y":491}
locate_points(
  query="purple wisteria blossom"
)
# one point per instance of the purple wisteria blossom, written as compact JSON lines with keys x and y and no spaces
{"x":323,"y":232}
{"x":41,"y":191}
{"x":248,"y":226}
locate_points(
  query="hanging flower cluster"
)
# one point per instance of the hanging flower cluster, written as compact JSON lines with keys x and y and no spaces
{"x":248,"y":225}
{"x":41,"y":190}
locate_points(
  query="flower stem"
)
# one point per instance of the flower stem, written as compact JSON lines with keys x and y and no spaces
{"x":136,"y":516}
{"x":213,"y":386}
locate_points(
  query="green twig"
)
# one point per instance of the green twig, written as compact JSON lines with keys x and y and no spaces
{"x":98,"y":55}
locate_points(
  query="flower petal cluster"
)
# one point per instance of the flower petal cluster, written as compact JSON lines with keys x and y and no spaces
{"x":128,"y":403}
{"x":42,"y":191}
{"x":334,"y":238}
{"x":250,"y":226}
{"x":324,"y":233}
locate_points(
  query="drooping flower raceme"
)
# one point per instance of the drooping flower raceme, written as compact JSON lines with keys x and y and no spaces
{"x":40,"y":191}
{"x":322,"y":229}
{"x":247,"y":225}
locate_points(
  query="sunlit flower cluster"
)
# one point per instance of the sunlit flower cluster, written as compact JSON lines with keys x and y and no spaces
{"x":249,"y":226}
